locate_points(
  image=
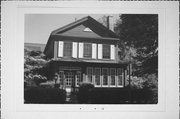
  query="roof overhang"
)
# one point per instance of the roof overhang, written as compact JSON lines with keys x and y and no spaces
{"x":53,"y":38}
{"x":82,"y":63}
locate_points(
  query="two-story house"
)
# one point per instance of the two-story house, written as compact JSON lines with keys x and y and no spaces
{"x":86,"y":51}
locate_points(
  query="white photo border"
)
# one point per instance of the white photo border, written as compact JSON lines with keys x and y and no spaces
{"x":15,"y":46}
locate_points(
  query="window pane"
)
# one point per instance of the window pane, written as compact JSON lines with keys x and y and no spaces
{"x":61,"y":76}
{"x":78,"y":78}
{"x":89,"y":74}
{"x":97,"y":73}
{"x":120,"y":76}
{"x":112,"y":73}
{"x":105,"y":76}
{"x":106,"y":51}
{"x":68,"y":49}
{"x":69,"y":78}
{"x":87,"y":50}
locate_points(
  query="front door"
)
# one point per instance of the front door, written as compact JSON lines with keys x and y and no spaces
{"x":69,"y":77}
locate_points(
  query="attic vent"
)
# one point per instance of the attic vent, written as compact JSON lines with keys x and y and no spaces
{"x":87,"y":29}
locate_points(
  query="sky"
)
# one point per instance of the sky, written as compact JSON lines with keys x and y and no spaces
{"x":39,"y":26}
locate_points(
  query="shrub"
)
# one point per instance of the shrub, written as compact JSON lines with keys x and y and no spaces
{"x":38,"y":95}
{"x":48,"y":84}
{"x":144,"y":88}
{"x":151,"y":84}
{"x":84,"y":92}
{"x":118,"y":96}
{"x":109,"y":95}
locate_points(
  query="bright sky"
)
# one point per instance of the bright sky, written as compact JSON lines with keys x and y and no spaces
{"x":39,"y":26}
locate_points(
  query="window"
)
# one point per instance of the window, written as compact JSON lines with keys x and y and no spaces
{"x":106,"y":51}
{"x":87,"y":29}
{"x":87,"y":50}
{"x":97,"y":73}
{"x":89,"y":74}
{"x":120,"y":77}
{"x":61,"y":76}
{"x":68,"y":49}
{"x":112,"y":77}
{"x":69,"y":78}
{"x":105,"y":76}
{"x":78,"y":78}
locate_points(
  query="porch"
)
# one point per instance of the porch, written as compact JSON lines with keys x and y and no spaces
{"x":101,"y":74}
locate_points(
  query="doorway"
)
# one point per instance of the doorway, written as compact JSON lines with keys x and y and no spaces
{"x":69,"y":80}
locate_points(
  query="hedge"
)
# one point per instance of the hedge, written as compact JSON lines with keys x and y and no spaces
{"x":37,"y":95}
{"x":83,"y":94}
{"x":119,"y":96}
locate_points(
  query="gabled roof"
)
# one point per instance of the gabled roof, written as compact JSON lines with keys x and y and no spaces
{"x":75,"y":30}
{"x":89,"y":22}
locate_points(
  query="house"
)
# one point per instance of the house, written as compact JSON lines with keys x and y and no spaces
{"x":86,"y":51}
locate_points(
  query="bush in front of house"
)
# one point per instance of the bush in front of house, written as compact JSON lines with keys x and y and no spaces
{"x":144,"y":89}
{"x":151,"y":84}
{"x":48,"y":84}
{"x":83,"y":94}
{"x":38,"y":95}
{"x":118,"y":96}
{"x":109,"y":95}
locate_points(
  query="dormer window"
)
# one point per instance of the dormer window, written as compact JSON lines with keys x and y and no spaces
{"x":87,"y":29}
{"x":106,"y":51}
{"x":67,"y":49}
{"x":87,"y":50}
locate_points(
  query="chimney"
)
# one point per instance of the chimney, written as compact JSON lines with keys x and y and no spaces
{"x":110,"y":24}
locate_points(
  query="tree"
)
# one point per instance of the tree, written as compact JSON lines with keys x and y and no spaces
{"x":35,"y":67}
{"x":139,"y":34}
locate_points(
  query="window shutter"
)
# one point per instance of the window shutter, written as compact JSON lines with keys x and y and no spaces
{"x":80,"y":50}
{"x":60,"y":49}
{"x":99,"y":51}
{"x":112,"y":52}
{"x":74,"y":50}
{"x":94,"y":51}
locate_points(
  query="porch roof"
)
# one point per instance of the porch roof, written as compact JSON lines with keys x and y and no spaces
{"x":89,"y":62}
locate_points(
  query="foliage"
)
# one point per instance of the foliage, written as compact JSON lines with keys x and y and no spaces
{"x":84,"y":92}
{"x":109,"y":95}
{"x":139,"y":40}
{"x":148,"y":82}
{"x":136,"y":82}
{"x":39,"y":95}
{"x":151,"y":83}
{"x":35,"y":66}
{"x":48,"y":84}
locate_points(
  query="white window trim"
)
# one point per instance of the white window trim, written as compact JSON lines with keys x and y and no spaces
{"x":74,"y":49}
{"x":110,"y":78}
{"x":80,"y":49}
{"x":100,"y":78}
{"x":94,"y":51}
{"x":112,"y":52}
{"x":87,"y":74}
{"x":60,"y":48}
{"x":103,"y":77}
{"x":99,"y":54}
{"x":122,"y":78}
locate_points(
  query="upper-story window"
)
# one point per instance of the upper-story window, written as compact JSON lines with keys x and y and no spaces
{"x":67,"y":49}
{"x":106,"y":51}
{"x":87,"y":50}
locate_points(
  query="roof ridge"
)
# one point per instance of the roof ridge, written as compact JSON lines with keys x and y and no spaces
{"x":71,"y":24}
